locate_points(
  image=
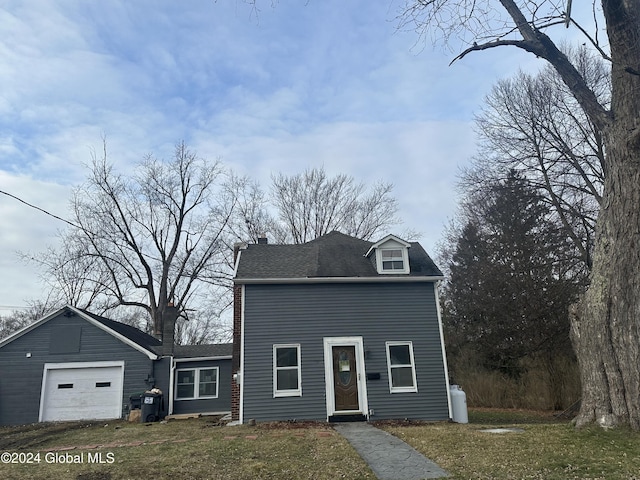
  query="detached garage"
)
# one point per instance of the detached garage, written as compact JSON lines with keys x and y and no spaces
{"x":74,"y":365}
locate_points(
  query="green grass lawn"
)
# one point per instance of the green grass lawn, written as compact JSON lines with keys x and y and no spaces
{"x":202,"y":449}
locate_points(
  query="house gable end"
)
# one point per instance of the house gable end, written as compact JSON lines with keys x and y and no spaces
{"x":124,"y":333}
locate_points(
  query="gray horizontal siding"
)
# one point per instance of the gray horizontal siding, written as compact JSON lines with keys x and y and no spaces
{"x":305,"y":314}
{"x":209,"y":405}
{"x":21,"y":377}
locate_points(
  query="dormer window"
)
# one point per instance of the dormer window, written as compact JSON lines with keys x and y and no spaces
{"x":392,"y":259}
{"x":391,"y":255}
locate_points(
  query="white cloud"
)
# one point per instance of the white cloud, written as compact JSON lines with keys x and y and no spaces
{"x":26,"y":230}
{"x":303,"y":84}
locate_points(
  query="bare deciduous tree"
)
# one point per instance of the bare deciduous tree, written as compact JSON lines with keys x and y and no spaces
{"x":147,"y":239}
{"x":312,"y":204}
{"x":605,"y":329}
{"x":532,"y":123}
{"x":19,"y":319}
{"x":251,"y":219}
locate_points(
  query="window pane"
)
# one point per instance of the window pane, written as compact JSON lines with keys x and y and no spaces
{"x":388,"y":254}
{"x":399,"y":355}
{"x":184,"y":391}
{"x":287,"y":379}
{"x":401,"y":377}
{"x":286,"y":357}
{"x":208,"y":375}
{"x":395,"y":265}
{"x":186,"y":376}
{"x":207,"y":389}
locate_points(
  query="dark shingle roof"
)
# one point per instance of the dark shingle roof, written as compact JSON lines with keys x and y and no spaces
{"x":332,"y":255}
{"x":151,"y":343}
{"x":195,"y":351}
{"x":132,"y":333}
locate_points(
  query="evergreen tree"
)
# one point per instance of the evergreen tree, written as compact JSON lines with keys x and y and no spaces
{"x":510,"y":285}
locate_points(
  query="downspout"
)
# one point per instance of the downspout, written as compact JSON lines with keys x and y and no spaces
{"x":241,"y":410}
{"x":172,"y":370}
{"x":444,"y":353}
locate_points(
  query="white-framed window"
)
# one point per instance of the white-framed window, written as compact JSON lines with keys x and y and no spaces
{"x":393,"y":260}
{"x":287,"y":373}
{"x":196,"y":383}
{"x":401,"y":367}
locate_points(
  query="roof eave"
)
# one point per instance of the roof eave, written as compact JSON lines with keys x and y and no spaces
{"x":385,"y":240}
{"x":403,"y":278}
{"x":202,"y":359}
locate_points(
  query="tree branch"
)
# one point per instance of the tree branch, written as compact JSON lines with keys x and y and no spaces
{"x":525,"y":45}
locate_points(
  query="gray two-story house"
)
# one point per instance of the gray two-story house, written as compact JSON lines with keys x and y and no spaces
{"x":337,"y":328}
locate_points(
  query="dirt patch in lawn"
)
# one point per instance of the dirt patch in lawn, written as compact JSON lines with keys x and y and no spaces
{"x":403,"y":423}
{"x":94,"y":476}
{"x":293,"y":425}
{"x":30,"y":437}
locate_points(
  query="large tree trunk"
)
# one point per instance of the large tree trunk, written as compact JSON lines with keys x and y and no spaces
{"x":606,"y":324}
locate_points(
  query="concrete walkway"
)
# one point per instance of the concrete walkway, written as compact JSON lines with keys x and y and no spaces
{"x":389,"y":457}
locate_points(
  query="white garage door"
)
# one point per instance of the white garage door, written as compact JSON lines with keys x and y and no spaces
{"x":82,"y":391}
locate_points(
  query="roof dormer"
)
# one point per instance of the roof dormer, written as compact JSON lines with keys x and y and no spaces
{"x":391,"y":255}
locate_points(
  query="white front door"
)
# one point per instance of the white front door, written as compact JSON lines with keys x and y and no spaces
{"x":82,"y":391}
{"x":346,"y":386}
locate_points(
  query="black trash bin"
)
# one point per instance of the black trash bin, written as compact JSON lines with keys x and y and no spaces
{"x":151,"y":407}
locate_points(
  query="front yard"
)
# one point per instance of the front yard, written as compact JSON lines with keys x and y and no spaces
{"x":547,"y":449}
{"x":202,"y":449}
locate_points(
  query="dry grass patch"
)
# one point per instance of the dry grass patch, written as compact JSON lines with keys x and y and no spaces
{"x":547,"y":449}
{"x":185,"y":449}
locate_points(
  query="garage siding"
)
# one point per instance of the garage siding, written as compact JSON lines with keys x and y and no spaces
{"x":21,"y":376}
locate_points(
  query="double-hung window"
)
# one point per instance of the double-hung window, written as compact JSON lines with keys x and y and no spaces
{"x":401,"y":367}
{"x":287,"y":377}
{"x":393,"y":260}
{"x":195,"y":383}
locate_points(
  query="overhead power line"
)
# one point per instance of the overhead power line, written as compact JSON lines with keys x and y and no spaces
{"x":39,"y":209}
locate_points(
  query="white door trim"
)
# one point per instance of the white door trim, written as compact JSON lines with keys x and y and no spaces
{"x":329,"y":343}
{"x":58,"y":366}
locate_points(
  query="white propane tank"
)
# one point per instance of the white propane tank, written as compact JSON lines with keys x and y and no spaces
{"x":458,"y":404}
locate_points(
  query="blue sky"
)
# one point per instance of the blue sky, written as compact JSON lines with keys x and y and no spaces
{"x":300,"y":84}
